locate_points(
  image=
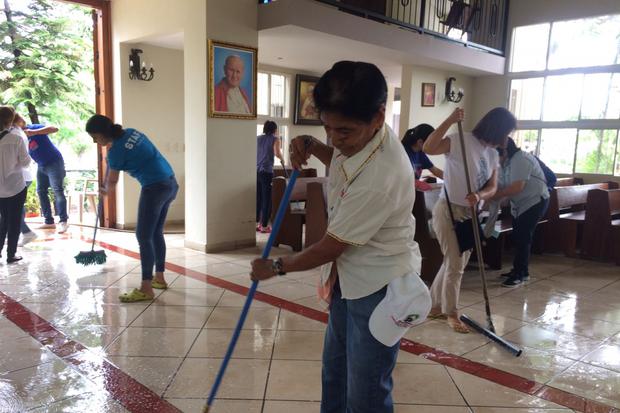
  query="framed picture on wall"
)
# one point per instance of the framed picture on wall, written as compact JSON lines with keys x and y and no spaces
{"x":305,"y":112}
{"x":428,"y":94}
{"x":232,"y":80}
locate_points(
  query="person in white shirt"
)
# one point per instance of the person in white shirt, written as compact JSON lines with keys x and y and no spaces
{"x":371,"y":263}
{"x":455,"y":203}
{"x":13,"y":159}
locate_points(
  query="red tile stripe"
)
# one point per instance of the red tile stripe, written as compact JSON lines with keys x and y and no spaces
{"x":130,"y":393}
{"x":483,"y":371}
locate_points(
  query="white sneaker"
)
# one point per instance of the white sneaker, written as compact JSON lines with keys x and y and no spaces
{"x":26,"y":238}
{"x":62,"y":227}
{"x":47,"y":226}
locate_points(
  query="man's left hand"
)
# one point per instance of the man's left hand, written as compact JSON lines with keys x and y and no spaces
{"x":262,"y":269}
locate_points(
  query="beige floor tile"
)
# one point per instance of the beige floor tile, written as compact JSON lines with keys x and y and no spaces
{"x":606,"y":356}
{"x":134,"y":279}
{"x":298,"y":345}
{"x":257,"y":319}
{"x":232,"y":299}
{"x":245,"y":379}
{"x":87,"y":402}
{"x":275,"y":406}
{"x":405,"y":357}
{"x":533,"y":364}
{"x":93,"y":336}
{"x":185,"y":282}
{"x":96,"y":313}
{"x":164,"y":342}
{"x":252,"y":344}
{"x":222,"y":269}
{"x":294,"y":380}
{"x":592,"y":382}
{"x":190,"y":261}
{"x":244,"y":280}
{"x":553,"y":341}
{"x":425,"y":384}
{"x":439,"y":335}
{"x":42,"y":385}
{"x":503,"y":325}
{"x":173,"y":316}
{"x":21,"y":353}
{"x":219,"y":406}
{"x":296,"y":322}
{"x":154,"y":372}
{"x":9,"y":331}
{"x":312,"y":302}
{"x":205,"y":297}
{"x":517,"y":410}
{"x":482,"y":393}
{"x":290,"y":290}
{"x":402,"y":408}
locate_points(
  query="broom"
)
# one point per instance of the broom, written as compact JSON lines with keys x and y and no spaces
{"x":248,"y":301}
{"x":93,"y":257}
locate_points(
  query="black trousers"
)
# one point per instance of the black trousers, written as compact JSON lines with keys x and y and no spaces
{"x":263,"y":197}
{"x":523,"y":229}
{"x":10,"y":220}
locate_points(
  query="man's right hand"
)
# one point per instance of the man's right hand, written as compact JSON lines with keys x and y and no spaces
{"x":457,"y":116}
{"x":300,"y":151}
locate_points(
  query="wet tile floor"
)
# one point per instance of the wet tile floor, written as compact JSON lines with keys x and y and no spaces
{"x":68,"y":345}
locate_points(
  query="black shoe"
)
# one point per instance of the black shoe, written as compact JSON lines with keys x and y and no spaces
{"x":511,"y":273}
{"x":13,"y":259}
{"x":512,"y":282}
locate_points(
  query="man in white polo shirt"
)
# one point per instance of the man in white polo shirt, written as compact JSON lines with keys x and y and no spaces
{"x":370,"y":260}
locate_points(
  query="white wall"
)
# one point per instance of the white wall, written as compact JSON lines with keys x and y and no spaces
{"x":155,"y":108}
{"x":129,"y":24}
{"x":413,"y":113}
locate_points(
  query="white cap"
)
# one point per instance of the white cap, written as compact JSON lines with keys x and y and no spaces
{"x":407,"y":302}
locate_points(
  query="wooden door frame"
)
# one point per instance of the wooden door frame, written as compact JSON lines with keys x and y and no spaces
{"x":104,"y":87}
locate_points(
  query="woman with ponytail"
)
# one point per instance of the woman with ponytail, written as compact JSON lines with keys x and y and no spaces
{"x":131,"y":151}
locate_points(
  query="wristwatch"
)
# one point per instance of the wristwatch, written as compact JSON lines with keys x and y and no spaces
{"x":277,"y":266}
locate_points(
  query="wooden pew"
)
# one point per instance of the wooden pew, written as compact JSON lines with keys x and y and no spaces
{"x":305,"y":173}
{"x":429,"y":247}
{"x":568,"y":213}
{"x":602,"y":218}
{"x":300,"y":192}
{"x":316,"y":213}
{"x":569,"y":181}
{"x":291,"y":230}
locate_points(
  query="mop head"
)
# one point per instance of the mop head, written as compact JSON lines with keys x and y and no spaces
{"x":91,"y":257}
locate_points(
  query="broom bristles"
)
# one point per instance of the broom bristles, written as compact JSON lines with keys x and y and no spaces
{"x":91,"y":257}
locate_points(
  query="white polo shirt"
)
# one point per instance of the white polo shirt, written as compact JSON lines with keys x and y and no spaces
{"x":370,"y":199}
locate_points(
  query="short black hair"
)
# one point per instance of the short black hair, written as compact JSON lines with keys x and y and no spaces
{"x":495,"y":126}
{"x":104,"y":125}
{"x":511,"y":147}
{"x":413,"y":135}
{"x":352,"y":89}
{"x":270,"y":127}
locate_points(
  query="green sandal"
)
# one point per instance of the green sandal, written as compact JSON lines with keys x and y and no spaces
{"x":159,"y":286}
{"x":134,"y":296}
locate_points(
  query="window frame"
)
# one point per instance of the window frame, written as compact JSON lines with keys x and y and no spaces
{"x":579,"y":124}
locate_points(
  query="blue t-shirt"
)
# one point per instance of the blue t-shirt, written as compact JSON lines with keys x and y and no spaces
{"x":419,"y":161}
{"x":264,"y":153}
{"x":41,"y":148}
{"x":135,"y":154}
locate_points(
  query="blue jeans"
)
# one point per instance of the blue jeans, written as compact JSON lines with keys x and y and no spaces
{"x":23,"y":227}
{"x":523,"y":228}
{"x":155,"y":200}
{"x":357,"y":369}
{"x":263,"y":197}
{"x":52,"y":175}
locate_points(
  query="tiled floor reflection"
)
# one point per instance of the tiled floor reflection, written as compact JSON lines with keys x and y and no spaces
{"x":567,"y":319}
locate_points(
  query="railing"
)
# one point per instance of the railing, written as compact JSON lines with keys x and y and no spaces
{"x":482,"y":24}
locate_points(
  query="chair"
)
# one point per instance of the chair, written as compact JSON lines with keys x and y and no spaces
{"x":291,"y":229}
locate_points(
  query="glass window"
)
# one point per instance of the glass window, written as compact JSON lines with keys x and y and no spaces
{"x":595,"y":151}
{"x":617,"y":169}
{"x":263,"y":94}
{"x":562,"y":97}
{"x":557,"y":149}
{"x":585,"y":42}
{"x":278,"y":96}
{"x":526,"y":98}
{"x":601,"y":96}
{"x":529,"y":48}
{"x":526,"y":139}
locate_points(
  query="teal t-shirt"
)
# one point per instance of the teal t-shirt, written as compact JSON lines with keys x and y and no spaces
{"x":524,"y":167}
{"x":135,"y":154}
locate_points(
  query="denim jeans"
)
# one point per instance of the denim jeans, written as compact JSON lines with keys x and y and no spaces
{"x":23,"y":227}
{"x":357,"y":369}
{"x":155,"y":199}
{"x":263,"y":197}
{"x":10,"y":214}
{"x":52,"y":175}
{"x":523,"y":228}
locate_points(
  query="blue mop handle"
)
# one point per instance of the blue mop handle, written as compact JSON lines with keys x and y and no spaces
{"x":248,"y":301}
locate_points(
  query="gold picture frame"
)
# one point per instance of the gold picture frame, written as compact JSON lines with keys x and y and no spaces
{"x":229,"y":82}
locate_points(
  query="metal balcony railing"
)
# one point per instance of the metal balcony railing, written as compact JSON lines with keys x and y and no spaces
{"x":479,"y":24}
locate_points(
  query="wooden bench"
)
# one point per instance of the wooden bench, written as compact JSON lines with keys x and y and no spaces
{"x":602,"y":219}
{"x":291,"y":229}
{"x":569,"y":181}
{"x":316,"y":213}
{"x":300,"y":190}
{"x":567,"y":213}
{"x":429,"y":246}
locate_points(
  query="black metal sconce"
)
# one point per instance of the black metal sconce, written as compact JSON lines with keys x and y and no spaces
{"x":450,"y":94}
{"x":137,"y":72}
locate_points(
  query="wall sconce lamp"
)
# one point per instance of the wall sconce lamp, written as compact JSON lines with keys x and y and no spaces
{"x":450,"y":94}
{"x":135,"y":71}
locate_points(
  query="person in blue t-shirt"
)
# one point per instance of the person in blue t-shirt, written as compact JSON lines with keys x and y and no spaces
{"x":131,"y":151}
{"x":50,"y":173}
{"x":413,"y":141}
{"x":267,"y":146}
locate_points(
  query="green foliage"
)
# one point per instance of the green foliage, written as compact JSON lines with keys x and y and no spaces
{"x":32,"y":199}
{"x":46,"y":65}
